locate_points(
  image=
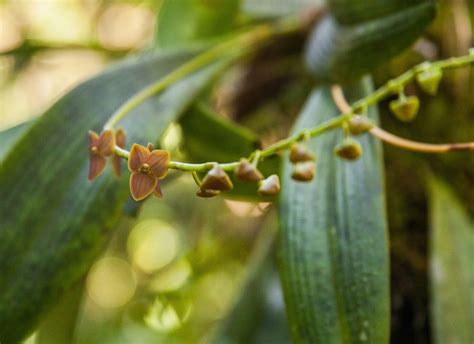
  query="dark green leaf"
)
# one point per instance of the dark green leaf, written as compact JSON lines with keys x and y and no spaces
{"x":181,"y":22}
{"x":339,"y":53}
{"x":333,"y":238}
{"x":53,"y":222}
{"x":9,"y":137}
{"x":451,"y":269}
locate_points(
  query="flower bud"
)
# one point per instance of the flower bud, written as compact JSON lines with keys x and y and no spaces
{"x":406,"y":108}
{"x":304,"y":171}
{"x":429,"y":80}
{"x":300,"y":153}
{"x":349,"y":149}
{"x":217,"y":179}
{"x":359,"y":125}
{"x":269,"y":186}
{"x":247,"y":172}
{"x":207,"y":193}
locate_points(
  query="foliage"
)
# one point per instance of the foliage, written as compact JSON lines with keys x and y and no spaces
{"x":189,"y":270}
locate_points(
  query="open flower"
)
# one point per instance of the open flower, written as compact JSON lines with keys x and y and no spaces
{"x":147,"y":167}
{"x":100,"y":147}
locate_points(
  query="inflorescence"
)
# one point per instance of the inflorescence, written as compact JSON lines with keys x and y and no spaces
{"x":148,"y":165}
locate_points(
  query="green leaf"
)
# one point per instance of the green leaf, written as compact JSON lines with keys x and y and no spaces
{"x":351,"y":12}
{"x":181,"y":22}
{"x":451,"y":270}
{"x":338,"y":53}
{"x":10,"y":136}
{"x":272,"y":8}
{"x":333,"y":237}
{"x":53,"y":222}
{"x":210,"y":137}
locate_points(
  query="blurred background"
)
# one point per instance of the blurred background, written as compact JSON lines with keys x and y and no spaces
{"x":186,"y":271}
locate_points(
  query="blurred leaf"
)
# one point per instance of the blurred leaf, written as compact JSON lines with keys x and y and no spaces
{"x":451,"y":269}
{"x":181,"y":22}
{"x":333,"y":237}
{"x":211,"y":137}
{"x":272,"y":8}
{"x":58,"y":326}
{"x":53,"y":222}
{"x":10,"y":136}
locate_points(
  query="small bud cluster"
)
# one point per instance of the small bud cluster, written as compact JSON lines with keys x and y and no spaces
{"x":303,"y":160}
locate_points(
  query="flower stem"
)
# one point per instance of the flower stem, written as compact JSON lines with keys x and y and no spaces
{"x":348,"y":111}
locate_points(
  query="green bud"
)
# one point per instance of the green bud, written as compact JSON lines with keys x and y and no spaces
{"x":349,"y":149}
{"x":217,"y":179}
{"x":429,"y":80}
{"x":304,"y":171}
{"x":359,"y":125}
{"x":207,"y":193}
{"x":300,"y":153}
{"x":406,"y":108}
{"x":247,"y":172}
{"x":270,"y":186}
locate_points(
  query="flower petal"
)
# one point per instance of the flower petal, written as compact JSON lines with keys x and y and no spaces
{"x":116,"y":160}
{"x":96,"y":165}
{"x":159,"y":161}
{"x":106,"y":143}
{"x":142,"y":185}
{"x":138,"y":156}
{"x":158,"y":193}
{"x":93,"y":139}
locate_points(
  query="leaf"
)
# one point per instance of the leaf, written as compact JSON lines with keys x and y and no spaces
{"x":333,"y":237}
{"x":337,"y":53}
{"x":181,"y":22}
{"x":210,"y":137}
{"x":272,"y":8}
{"x":351,"y":12}
{"x":10,"y":136}
{"x":53,"y":222}
{"x":451,"y":271}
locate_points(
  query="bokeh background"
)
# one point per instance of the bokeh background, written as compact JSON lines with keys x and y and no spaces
{"x":183,"y":270}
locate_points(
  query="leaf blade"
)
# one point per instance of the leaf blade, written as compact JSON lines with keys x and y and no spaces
{"x":53,"y":222}
{"x":333,"y":241}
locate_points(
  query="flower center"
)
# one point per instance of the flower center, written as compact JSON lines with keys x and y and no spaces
{"x":145,"y":168}
{"x":94,"y":149}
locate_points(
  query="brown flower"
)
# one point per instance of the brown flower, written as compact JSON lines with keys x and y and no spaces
{"x":100,"y":147}
{"x":269,"y":186}
{"x":147,"y":168}
{"x":116,"y":160}
{"x":217,"y":179}
{"x":247,"y":172}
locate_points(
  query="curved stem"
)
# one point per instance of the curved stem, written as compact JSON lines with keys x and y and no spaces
{"x":343,"y":105}
{"x":233,"y":48}
{"x":419,"y":146}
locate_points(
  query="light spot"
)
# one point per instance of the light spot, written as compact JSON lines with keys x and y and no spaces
{"x":152,"y":245}
{"x":111,"y":282}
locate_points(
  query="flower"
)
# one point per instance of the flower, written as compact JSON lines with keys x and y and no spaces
{"x":269,"y":186}
{"x":117,"y":160}
{"x":100,"y":147}
{"x":147,"y":167}
{"x":247,"y":172}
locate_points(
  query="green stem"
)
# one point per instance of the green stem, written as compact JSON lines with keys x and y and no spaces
{"x":391,"y":87}
{"x":233,"y":48}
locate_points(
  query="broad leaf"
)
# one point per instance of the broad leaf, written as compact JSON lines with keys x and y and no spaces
{"x":181,"y":22}
{"x":53,"y":222}
{"x":333,"y":238}
{"x":451,"y":269}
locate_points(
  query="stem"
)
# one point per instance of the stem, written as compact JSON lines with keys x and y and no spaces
{"x":233,"y":48}
{"x":419,"y":146}
{"x":348,"y":111}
